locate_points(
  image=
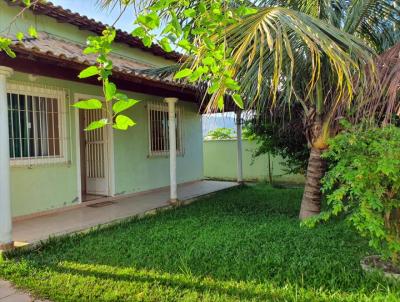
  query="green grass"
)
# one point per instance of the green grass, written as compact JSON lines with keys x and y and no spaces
{"x":240,"y":245}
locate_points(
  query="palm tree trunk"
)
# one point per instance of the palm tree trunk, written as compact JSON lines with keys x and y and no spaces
{"x":311,"y":203}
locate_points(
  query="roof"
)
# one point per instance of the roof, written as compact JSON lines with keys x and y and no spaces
{"x":85,"y":23}
{"x":59,"y":49}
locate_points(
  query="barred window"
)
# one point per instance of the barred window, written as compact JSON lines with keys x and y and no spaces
{"x":35,"y":127}
{"x":159,"y":130}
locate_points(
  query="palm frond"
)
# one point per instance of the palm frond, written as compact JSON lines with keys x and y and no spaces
{"x":270,"y":47}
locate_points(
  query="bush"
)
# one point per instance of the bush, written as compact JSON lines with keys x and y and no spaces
{"x":363,"y":184}
{"x":282,"y":136}
{"x":220,"y":133}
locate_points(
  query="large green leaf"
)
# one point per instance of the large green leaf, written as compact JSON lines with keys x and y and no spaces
{"x":123,"y":105}
{"x":89,"y":104}
{"x":97,"y":124}
{"x":123,"y":122}
{"x":88,"y":72}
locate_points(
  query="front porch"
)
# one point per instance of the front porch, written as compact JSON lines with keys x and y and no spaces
{"x":91,"y":214}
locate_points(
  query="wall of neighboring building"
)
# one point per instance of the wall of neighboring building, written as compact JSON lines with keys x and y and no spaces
{"x":220,"y":162}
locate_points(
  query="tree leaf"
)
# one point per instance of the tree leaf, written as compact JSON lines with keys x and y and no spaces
{"x":110,"y":90}
{"x":88,"y":104}
{"x":88,"y":72}
{"x":238,"y":100}
{"x":138,"y":32}
{"x":122,"y":122}
{"x":123,"y":105}
{"x":97,"y":124}
{"x":165,"y":45}
{"x":32,"y":32}
{"x":183,"y":73}
{"x":20,"y":36}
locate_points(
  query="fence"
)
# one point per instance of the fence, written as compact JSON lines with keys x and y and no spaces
{"x":220,"y":162}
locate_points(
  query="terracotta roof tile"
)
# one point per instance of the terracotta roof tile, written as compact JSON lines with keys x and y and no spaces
{"x":58,"y":48}
{"x":65,"y":15}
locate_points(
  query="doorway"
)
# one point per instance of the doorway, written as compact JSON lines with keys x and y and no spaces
{"x":94,"y":157}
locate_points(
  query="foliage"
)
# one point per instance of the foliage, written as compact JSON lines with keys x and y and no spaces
{"x":236,"y":245}
{"x":363,"y":183}
{"x":221,"y":133}
{"x":247,"y":49}
{"x":282,"y":136}
{"x":101,"y":46}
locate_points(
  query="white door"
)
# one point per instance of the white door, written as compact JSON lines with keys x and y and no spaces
{"x":96,"y":153}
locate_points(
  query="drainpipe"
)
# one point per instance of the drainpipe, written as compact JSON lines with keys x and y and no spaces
{"x":239,"y":147}
{"x":172,"y":148}
{"x":6,"y":241}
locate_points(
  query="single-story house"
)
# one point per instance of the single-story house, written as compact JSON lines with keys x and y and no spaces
{"x":47,"y":160}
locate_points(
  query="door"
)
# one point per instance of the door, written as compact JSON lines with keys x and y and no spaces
{"x":96,"y":156}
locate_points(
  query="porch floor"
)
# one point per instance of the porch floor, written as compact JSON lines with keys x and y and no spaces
{"x":32,"y":230}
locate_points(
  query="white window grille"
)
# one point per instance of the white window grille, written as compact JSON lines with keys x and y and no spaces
{"x":159,"y":130}
{"x":36,"y":121}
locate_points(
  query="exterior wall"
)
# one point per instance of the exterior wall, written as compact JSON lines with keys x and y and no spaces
{"x":136,"y":171}
{"x":45,"y":187}
{"x":220,"y":162}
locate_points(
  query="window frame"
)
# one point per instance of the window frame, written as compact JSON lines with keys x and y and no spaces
{"x":179,"y":124}
{"x":43,"y":92}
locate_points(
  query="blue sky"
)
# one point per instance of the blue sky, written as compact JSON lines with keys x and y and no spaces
{"x":90,"y":9}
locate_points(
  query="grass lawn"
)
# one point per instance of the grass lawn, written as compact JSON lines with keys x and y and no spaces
{"x":240,"y":245}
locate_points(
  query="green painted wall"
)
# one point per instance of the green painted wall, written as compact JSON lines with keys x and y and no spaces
{"x":136,"y":171}
{"x":46,"y":187}
{"x":220,"y":162}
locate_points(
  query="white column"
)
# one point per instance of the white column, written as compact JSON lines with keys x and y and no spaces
{"x":5,"y":196}
{"x":172,"y":148}
{"x":239,"y":146}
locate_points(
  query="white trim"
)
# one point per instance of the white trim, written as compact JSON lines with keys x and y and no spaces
{"x":6,"y":238}
{"x":110,"y":150}
{"x":78,"y":154}
{"x":41,"y":91}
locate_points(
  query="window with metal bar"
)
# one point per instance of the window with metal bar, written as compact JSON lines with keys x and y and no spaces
{"x":35,"y":128}
{"x":159,"y":130}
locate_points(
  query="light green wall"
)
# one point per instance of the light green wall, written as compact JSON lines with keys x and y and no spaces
{"x":220,"y":162}
{"x":136,"y":172}
{"x":46,"y":187}
{"x":68,"y":32}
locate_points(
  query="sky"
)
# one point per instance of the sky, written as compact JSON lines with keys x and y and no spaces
{"x":90,"y":9}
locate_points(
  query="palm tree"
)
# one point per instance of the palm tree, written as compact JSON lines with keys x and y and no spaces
{"x":317,"y":53}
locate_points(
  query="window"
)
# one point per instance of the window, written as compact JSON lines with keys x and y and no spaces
{"x":159,"y":130}
{"x":35,"y":125}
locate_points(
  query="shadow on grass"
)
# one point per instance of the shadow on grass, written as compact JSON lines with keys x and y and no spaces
{"x":242,"y":236}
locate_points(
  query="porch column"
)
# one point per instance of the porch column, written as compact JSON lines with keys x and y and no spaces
{"x":172,"y":148}
{"x":239,"y":146}
{"x":5,"y":196}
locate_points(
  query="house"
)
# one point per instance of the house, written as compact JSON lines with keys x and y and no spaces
{"x":47,"y":160}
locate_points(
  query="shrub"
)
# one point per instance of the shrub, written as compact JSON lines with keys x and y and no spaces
{"x":282,"y":136}
{"x":363,"y":184}
{"x":221,"y":133}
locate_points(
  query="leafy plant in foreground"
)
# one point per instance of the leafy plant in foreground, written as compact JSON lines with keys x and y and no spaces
{"x":363,"y":183}
{"x":101,"y":46}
